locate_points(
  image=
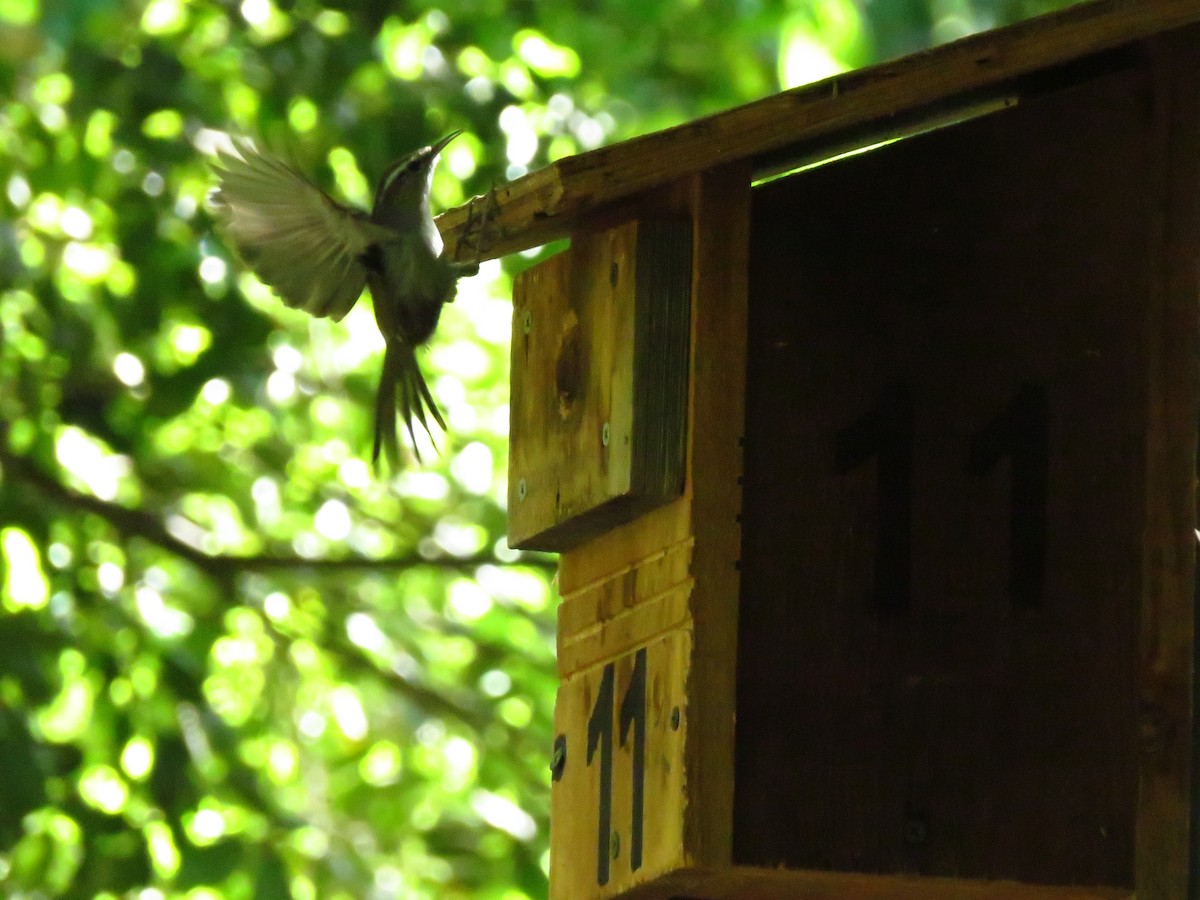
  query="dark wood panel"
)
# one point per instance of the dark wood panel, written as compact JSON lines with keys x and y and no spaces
{"x":974,"y":301}
{"x":1168,"y":797}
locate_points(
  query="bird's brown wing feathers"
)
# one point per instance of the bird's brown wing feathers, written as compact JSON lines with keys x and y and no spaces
{"x":295,"y":238}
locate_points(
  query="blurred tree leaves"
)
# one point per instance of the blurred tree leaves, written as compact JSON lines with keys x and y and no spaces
{"x":233,"y":661}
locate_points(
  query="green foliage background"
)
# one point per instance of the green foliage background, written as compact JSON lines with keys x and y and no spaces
{"x":233,"y":661}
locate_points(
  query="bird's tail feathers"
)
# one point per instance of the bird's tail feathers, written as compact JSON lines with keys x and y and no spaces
{"x":386,"y":438}
{"x":401,"y":383}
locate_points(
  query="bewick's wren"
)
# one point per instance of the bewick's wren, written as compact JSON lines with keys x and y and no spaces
{"x":318,"y":254}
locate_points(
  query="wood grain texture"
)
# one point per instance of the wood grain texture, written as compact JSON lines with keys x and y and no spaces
{"x":721,"y":210}
{"x":866,"y":103}
{"x":643,"y":620}
{"x":673,"y":571}
{"x":1166,"y":645}
{"x":965,"y":731}
{"x":624,"y":588}
{"x":572,"y":372}
{"x":626,"y":609}
{"x":576,"y":798}
{"x":599,"y":383}
{"x":615,"y":552}
{"x":742,"y":883}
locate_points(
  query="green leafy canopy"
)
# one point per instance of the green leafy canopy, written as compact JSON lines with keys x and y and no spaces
{"x":234,"y":662}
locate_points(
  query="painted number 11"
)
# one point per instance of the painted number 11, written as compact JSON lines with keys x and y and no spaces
{"x":1018,"y":434}
{"x":632,"y":724}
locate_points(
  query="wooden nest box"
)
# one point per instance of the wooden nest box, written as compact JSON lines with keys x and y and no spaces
{"x":873,"y":477}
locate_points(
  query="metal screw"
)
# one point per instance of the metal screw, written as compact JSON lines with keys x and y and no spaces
{"x":1154,"y":728}
{"x":527,"y":321}
{"x":915,"y":831}
{"x":615,"y":845}
{"x":558,"y":761}
{"x":605,"y":434}
{"x":522,"y":489}
{"x":675,"y":716}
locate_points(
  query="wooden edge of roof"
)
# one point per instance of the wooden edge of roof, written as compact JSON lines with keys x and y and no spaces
{"x":852,"y":109}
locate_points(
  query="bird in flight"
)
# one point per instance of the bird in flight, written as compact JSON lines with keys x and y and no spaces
{"x":318,"y":254}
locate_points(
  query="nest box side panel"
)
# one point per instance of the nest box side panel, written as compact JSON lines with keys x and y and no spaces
{"x":599,"y":384}
{"x":946,"y":499}
{"x":643,"y":786}
{"x":1167,"y":842}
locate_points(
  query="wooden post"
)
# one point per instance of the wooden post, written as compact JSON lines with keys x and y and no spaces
{"x":647,"y":627}
{"x":1166,"y":649}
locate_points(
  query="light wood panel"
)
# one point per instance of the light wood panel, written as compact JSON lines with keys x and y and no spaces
{"x":599,"y":383}
{"x":664,"y":585}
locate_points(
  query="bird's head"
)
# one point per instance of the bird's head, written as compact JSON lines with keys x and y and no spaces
{"x":405,"y":184}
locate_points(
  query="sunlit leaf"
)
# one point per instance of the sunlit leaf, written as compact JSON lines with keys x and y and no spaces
{"x":25,"y":585}
{"x":19,"y":12}
{"x":546,"y":58}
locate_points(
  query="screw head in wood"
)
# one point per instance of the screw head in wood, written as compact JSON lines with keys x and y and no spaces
{"x":915,"y":831}
{"x":675,"y":718}
{"x":1155,"y":730}
{"x":558,"y":762}
{"x":605,"y":434}
{"x":522,"y":489}
{"x":527,"y":321}
{"x":615,"y":845}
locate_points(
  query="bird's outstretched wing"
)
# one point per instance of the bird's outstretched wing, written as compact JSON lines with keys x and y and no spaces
{"x":291,"y":233}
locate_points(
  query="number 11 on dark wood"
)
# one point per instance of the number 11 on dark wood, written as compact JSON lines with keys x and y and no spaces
{"x":885,"y":434}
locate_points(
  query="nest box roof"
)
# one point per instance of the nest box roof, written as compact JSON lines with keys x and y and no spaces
{"x":955,"y":81}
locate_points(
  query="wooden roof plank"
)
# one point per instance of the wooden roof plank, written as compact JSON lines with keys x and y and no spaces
{"x":544,"y":205}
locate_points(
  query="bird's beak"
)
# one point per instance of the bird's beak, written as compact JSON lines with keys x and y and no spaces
{"x":437,"y":148}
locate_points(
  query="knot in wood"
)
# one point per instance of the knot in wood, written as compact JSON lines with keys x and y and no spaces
{"x":568,"y":368}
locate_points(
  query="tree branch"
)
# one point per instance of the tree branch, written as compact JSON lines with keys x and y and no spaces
{"x":221,"y":566}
